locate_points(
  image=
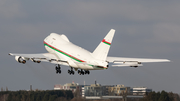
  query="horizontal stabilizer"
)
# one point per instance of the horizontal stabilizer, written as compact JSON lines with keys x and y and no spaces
{"x":143,"y":60}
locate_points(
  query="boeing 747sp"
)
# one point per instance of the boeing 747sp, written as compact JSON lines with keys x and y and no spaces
{"x":63,"y":52}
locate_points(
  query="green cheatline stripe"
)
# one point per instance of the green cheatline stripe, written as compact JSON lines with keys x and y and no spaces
{"x":104,"y":41}
{"x":100,"y":67}
{"x":45,"y":44}
{"x":97,"y":66}
{"x":107,"y":43}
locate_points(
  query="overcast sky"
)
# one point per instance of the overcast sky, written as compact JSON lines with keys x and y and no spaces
{"x":144,"y":29}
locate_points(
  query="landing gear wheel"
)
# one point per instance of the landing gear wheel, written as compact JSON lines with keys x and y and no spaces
{"x":88,"y":72}
{"x":79,"y":72}
{"x":83,"y":72}
{"x":71,"y":71}
{"x":58,"y":69}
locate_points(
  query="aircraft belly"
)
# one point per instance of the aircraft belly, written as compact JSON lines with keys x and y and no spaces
{"x":88,"y":67}
{"x":85,"y":67}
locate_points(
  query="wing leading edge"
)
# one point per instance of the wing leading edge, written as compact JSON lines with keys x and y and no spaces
{"x":45,"y":57}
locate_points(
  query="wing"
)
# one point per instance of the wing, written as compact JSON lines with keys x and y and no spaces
{"x":45,"y":57}
{"x":132,"y":62}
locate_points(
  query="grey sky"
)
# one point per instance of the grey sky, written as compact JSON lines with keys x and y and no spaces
{"x":145,"y":29}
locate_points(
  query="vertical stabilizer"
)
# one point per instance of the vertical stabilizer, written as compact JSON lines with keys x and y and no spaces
{"x":102,"y":49}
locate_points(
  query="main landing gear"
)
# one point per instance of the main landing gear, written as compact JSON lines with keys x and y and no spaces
{"x":81,"y":72}
{"x":58,"y":69}
{"x":71,"y":71}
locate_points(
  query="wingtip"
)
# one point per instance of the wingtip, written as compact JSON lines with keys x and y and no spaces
{"x":11,"y":54}
{"x":169,"y":61}
{"x":113,"y":30}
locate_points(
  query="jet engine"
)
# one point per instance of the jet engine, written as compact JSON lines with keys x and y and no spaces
{"x":133,"y":64}
{"x":36,"y":61}
{"x":20,"y":59}
{"x":128,"y":63}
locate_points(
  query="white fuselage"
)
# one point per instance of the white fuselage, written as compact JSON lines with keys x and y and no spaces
{"x":75,"y":56}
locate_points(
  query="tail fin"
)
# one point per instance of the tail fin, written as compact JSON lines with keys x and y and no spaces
{"x":102,"y":50}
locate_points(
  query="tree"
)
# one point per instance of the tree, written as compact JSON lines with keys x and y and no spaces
{"x":171,"y":96}
{"x":38,"y":98}
{"x":2,"y":89}
{"x":61,"y":99}
{"x":164,"y":96}
{"x":69,"y":94}
{"x":52,"y":97}
{"x":77,"y":92}
{"x":49,"y":95}
{"x":152,"y":96}
{"x":23,"y":97}
{"x":46,"y":97}
{"x":6,"y":88}
{"x":10,"y":97}
{"x":77,"y":99}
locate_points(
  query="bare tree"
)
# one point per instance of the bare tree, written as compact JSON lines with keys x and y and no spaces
{"x":2,"y":89}
{"x":6,"y":88}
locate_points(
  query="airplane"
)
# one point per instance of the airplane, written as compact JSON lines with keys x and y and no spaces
{"x":63,"y":52}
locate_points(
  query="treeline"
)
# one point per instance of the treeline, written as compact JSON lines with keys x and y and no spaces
{"x":161,"y":96}
{"x":49,"y":95}
{"x":64,"y":95}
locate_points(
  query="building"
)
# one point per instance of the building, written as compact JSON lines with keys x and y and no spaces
{"x":94,"y":90}
{"x":118,"y":90}
{"x":98,"y":91}
{"x":140,"y":90}
{"x":68,"y":86}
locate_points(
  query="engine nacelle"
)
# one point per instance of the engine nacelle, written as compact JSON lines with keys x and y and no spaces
{"x":20,"y":59}
{"x":36,"y":61}
{"x":127,"y":63}
{"x":133,"y":64}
